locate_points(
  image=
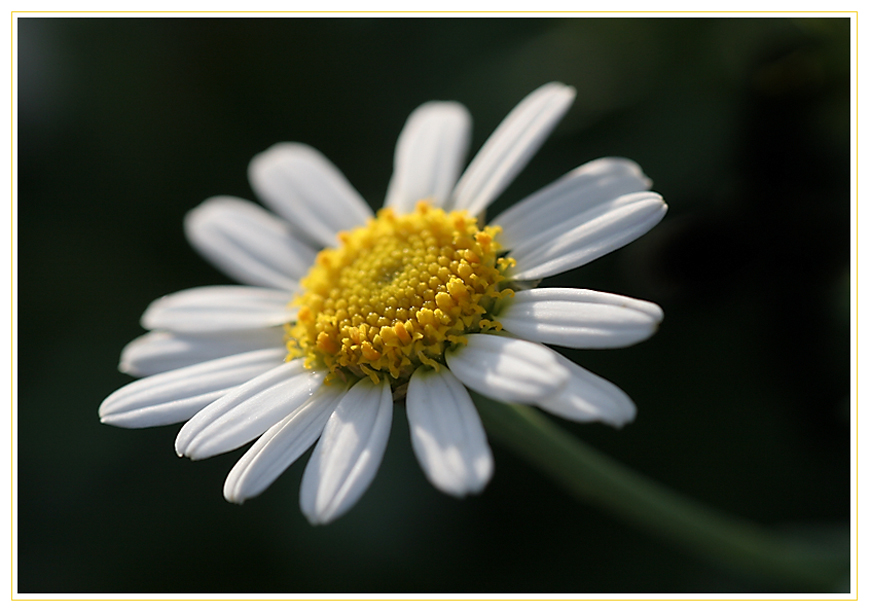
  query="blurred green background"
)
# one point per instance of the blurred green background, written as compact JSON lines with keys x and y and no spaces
{"x":743,"y":395}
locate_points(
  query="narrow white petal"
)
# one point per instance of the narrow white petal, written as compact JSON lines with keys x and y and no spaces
{"x":579,"y":318}
{"x":348,"y":454}
{"x":446,"y":433}
{"x":584,"y":187}
{"x":247,"y":243}
{"x":507,"y":369}
{"x":429,"y":155}
{"x":300,"y":184}
{"x":281,"y":445}
{"x":588,"y":397}
{"x":159,"y":351}
{"x":248,"y":411}
{"x":219,"y":308}
{"x":511,"y":146}
{"x":587,"y":236}
{"x":174,"y":396}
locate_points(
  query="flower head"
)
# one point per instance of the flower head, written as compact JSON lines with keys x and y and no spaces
{"x":420,"y":302}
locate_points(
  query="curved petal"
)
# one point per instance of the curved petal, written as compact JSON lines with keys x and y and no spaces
{"x":429,"y":155}
{"x":248,"y":411}
{"x":588,"y":397}
{"x":507,"y":369}
{"x":160,"y":351}
{"x":247,"y":243}
{"x":446,"y":433}
{"x":349,"y":452}
{"x":174,"y":396}
{"x":511,"y":146}
{"x":301,"y":185}
{"x":219,"y":308}
{"x":584,"y":187}
{"x":589,"y":235}
{"x":281,"y":445}
{"x":579,"y":318}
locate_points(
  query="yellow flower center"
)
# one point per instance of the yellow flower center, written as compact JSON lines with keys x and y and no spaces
{"x":397,"y":293}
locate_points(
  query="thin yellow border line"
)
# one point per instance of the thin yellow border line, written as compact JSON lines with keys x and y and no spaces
{"x":11,"y":305}
{"x":12,"y":15}
{"x":435,"y":599}
{"x":640,"y":14}
{"x":857,"y":259}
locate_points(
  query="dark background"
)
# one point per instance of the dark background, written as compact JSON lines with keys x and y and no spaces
{"x":743,"y":395}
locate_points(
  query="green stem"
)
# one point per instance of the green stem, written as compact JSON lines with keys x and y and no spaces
{"x":596,"y":478}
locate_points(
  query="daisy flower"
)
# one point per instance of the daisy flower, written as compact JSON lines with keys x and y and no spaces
{"x":344,"y":312}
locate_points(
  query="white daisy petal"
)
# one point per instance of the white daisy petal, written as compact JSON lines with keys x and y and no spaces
{"x":584,"y":187}
{"x":159,"y":351}
{"x":219,"y":308}
{"x":446,"y":433}
{"x":588,"y":397}
{"x":300,"y":184}
{"x":248,"y":411}
{"x":174,"y":396}
{"x":429,"y":155}
{"x":579,"y":318}
{"x":281,"y":445}
{"x":247,"y":243}
{"x":587,"y":236}
{"x":511,"y":146}
{"x":348,"y":454}
{"x":507,"y":369}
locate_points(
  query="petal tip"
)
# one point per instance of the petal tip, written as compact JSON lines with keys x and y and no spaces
{"x":569,"y":91}
{"x":128,"y":367}
{"x":181,"y":444}
{"x":232,"y":494}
